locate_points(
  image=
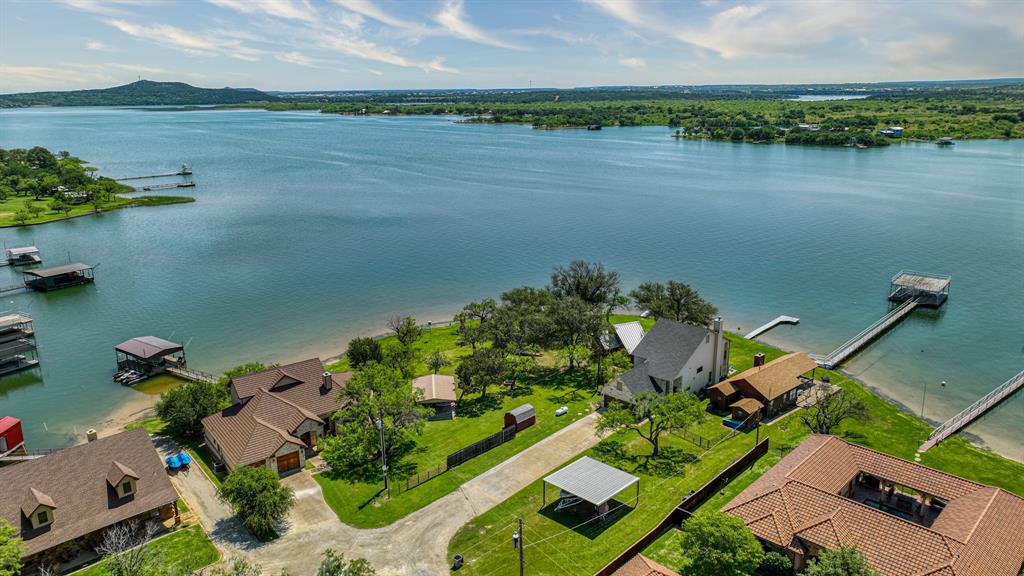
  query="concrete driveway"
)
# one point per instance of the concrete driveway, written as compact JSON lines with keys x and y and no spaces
{"x":416,"y":545}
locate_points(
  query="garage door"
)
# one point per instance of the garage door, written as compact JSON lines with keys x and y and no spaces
{"x":287,"y":462}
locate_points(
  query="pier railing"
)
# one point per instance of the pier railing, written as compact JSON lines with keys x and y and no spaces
{"x":871,"y":332}
{"x":974,"y":411}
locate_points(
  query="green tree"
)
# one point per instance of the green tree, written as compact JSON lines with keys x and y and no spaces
{"x":22,"y":216}
{"x":830,"y":410}
{"x":334,"y":564}
{"x":775,"y":564}
{"x":718,"y":544}
{"x":484,"y":367}
{"x":652,"y":415}
{"x":99,"y":197}
{"x":58,"y":204}
{"x":436,"y":361}
{"x":242,"y":370}
{"x":406,"y":330}
{"x":48,"y":184}
{"x":575,"y":325}
{"x":10,"y":549}
{"x":184,"y":407}
{"x":677,"y":301}
{"x":34,"y":209}
{"x":258,"y":497}
{"x":843,"y":561}
{"x":363,"y":350}
{"x":589,"y":282}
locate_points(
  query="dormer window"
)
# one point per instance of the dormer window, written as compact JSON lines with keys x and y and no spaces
{"x":122,"y":479}
{"x":43,"y":517}
{"x":127,"y":487}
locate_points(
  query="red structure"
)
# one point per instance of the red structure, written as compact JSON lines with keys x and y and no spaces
{"x":521,"y":417}
{"x":11,"y":437}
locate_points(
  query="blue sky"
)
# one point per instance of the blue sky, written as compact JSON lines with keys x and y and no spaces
{"x":353,"y":44}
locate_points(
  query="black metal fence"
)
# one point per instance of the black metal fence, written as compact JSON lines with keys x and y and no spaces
{"x":478,"y":448}
{"x":406,"y":484}
{"x":701,"y":442}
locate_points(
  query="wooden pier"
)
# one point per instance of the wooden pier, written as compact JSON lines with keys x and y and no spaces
{"x":194,"y":375}
{"x":837,"y":356}
{"x":165,"y":186}
{"x":766,"y":327}
{"x":185,"y":170}
{"x":974,"y":411}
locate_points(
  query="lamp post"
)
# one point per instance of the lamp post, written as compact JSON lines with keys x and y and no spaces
{"x":379,"y":423}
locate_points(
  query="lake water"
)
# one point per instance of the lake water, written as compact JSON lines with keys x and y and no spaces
{"x":310,"y":229}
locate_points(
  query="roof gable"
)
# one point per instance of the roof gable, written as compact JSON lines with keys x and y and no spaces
{"x":772,"y":379}
{"x":118,"y":471}
{"x":668,"y":346}
{"x":34,"y":499}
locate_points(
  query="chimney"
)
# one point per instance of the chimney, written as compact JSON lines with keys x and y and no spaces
{"x":717,"y":367}
{"x":91,"y":435}
{"x":759,"y":359}
{"x":328,"y":381}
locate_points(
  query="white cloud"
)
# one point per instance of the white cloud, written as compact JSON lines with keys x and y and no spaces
{"x":374,"y":72}
{"x":98,"y":46}
{"x":297,"y":58}
{"x":360,"y":48}
{"x":43,"y":77}
{"x":194,"y":43}
{"x":107,"y":7}
{"x":287,"y":9}
{"x":452,"y":18}
{"x":137,"y":68}
{"x":633,"y":62}
{"x":370,"y":10}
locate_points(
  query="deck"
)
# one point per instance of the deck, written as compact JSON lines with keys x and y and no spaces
{"x":768,"y":326}
{"x":194,"y":375}
{"x":839,"y":355}
{"x":974,"y":411}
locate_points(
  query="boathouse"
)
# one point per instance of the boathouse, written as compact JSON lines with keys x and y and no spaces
{"x":927,"y":289}
{"x":57,"y":277}
{"x":146,"y":356}
{"x":23,"y":256}
{"x":17,"y":343}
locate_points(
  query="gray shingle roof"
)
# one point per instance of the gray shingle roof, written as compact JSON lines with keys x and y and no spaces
{"x":668,"y":346}
{"x":73,"y":481}
{"x":634,"y":381}
{"x":591,"y":480}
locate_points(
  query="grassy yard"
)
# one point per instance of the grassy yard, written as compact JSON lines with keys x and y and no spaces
{"x":15,"y":203}
{"x":181,"y":552}
{"x":362,"y":504}
{"x":559,"y":542}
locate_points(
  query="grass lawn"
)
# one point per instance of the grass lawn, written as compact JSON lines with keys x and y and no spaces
{"x":15,"y":203}
{"x":181,"y":552}
{"x":559,"y":543}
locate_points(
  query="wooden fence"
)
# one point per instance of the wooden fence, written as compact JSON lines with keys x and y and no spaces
{"x":477,"y":448}
{"x":680,"y":513}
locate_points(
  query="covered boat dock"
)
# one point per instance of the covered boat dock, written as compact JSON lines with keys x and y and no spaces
{"x":927,"y":289}
{"x":57,"y":277}
{"x":23,"y":256}
{"x":145,"y":356}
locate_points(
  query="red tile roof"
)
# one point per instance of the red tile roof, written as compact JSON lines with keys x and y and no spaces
{"x":640,"y":565}
{"x":798,"y":502}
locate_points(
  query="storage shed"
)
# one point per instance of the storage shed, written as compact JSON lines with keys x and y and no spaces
{"x":521,"y":417}
{"x":11,"y":437}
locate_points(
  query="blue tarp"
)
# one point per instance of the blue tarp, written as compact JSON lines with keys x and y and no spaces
{"x":172,"y":462}
{"x":184,"y":458}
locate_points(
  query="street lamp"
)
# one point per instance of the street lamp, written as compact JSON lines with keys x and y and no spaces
{"x":379,"y":423}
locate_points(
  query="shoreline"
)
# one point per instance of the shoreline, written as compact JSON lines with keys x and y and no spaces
{"x":142,"y":408}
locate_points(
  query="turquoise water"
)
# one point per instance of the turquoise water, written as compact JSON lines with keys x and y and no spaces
{"x":310,"y":229}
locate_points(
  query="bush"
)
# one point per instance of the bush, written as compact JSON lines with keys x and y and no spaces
{"x":775,"y":564}
{"x":845,"y":561}
{"x":183,"y":408}
{"x":717,"y":544}
{"x":259,"y":498}
{"x":363,"y":350}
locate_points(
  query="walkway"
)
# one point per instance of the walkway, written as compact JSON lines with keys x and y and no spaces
{"x":866,"y":335}
{"x":416,"y":545}
{"x":772,"y":324}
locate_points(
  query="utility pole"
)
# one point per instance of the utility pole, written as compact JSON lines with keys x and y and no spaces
{"x":383,"y":452}
{"x":517,"y":544}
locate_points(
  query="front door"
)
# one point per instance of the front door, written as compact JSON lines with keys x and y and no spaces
{"x":287,"y":462}
{"x":310,"y":439}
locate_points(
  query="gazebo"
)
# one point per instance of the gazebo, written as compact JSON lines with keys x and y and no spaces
{"x":591,"y":481}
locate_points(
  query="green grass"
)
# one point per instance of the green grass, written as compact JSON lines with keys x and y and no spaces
{"x":182,"y":506}
{"x":13,"y":204}
{"x":181,"y":552}
{"x":483,"y":541}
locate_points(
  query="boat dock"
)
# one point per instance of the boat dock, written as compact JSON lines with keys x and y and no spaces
{"x":974,"y":411}
{"x":186,"y":170}
{"x":166,"y":186}
{"x":910,"y":290}
{"x":17,"y":343}
{"x":194,"y":375}
{"x":766,"y":327}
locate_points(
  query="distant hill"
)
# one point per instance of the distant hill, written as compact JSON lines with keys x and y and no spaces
{"x":141,"y":93}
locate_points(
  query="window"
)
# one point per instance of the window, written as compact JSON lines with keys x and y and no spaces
{"x":700,"y":369}
{"x":43,"y":517}
{"x":126,"y":487}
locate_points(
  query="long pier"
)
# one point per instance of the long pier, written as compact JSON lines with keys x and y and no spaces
{"x":165,"y":186}
{"x":194,"y":375}
{"x":186,"y":170}
{"x":974,"y":411}
{"x":837,"y":356}
{"x":768,"y":326}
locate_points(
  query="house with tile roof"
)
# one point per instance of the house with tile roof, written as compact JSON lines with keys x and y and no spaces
{"x":907,"y":519}
{"x":764,"y":390}
{"x":61,"y":503}
{"x":641,"y":565}
{"x":277,"y":416}
{"x":672,"y":357}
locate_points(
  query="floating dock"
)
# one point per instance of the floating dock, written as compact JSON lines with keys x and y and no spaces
{"x":910,"y":290}
{"x":974,"y":411}
{"x":766,"y":327}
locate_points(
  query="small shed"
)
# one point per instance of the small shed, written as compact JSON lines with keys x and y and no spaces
{"x":57,"y":277}
{"x":521,"y":417}
{"x":591,"y":481}
{"x":147,"y":355}
{"x":11,"y":437}
{"x":437,"y":392}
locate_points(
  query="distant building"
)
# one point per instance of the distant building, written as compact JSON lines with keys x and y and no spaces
{"x":278,"y":416}
{"x":61,"y":503}
{"x":892,"y":132}
{"x":672,"y":357}
{"x":809,"y":127}
{"x":905,"y":518}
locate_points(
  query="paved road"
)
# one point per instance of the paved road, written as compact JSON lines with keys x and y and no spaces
{"x":416,"y":545}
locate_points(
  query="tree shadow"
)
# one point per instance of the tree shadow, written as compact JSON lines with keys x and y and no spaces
{"x":478,"y":406}
{"x":671,"y":461}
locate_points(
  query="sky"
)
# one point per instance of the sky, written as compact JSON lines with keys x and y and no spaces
{"x":374,"y":44}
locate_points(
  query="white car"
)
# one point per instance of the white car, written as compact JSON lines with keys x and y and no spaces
{"x":562,"y":411}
